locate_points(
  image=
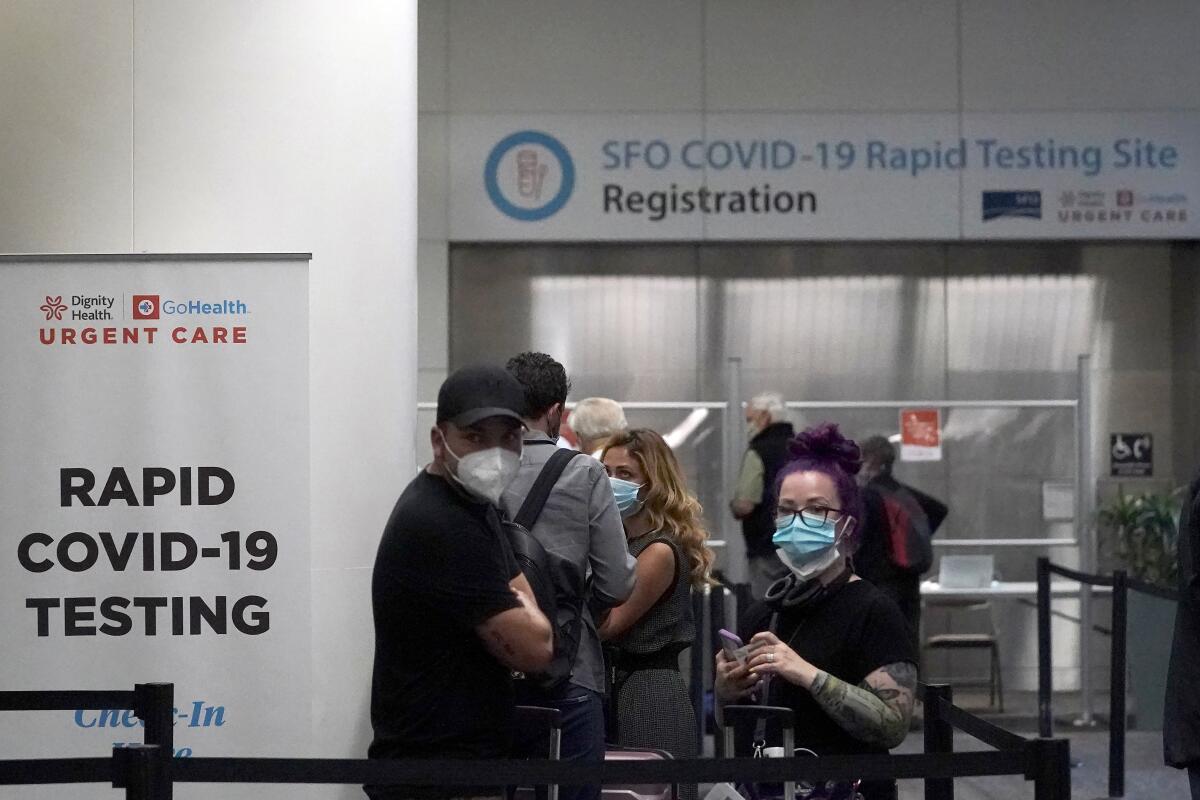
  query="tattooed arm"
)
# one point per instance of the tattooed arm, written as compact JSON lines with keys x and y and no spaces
{"x":877,"y":711}
{"x":519,"y":638}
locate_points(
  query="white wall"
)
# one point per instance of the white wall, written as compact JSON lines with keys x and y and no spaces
{"x":225,"y":126}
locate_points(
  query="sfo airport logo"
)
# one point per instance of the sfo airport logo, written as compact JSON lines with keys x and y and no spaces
{"x":529,"y":175}
{"x":1012,"y":205}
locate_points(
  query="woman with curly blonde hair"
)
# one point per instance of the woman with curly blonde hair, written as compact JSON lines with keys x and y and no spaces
{"x":650,"y":629}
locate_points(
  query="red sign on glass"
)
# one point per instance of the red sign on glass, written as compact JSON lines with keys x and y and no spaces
{"x":920,"y":434}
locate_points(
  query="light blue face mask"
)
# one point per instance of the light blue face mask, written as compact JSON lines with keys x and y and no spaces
{"x":802,"y":542}
{"x":626,"y":494}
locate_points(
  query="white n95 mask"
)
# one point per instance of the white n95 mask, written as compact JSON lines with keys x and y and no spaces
{"x":486,"y":473}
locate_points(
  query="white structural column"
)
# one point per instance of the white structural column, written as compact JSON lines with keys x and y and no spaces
{"x":221,"y":126}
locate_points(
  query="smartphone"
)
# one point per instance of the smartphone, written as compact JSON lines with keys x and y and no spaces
{"x":732,"y":644}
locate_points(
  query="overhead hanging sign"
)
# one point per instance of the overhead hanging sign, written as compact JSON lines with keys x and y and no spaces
{"x":830,"y":176}
{"x":154,"y":498}
{"x":920,"y":434}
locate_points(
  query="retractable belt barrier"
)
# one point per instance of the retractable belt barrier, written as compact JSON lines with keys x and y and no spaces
{"x":1121,"y":583}
{"x":148,"y":772}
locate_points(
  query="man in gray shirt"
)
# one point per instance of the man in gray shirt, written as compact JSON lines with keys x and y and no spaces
{"x":579,"y":526}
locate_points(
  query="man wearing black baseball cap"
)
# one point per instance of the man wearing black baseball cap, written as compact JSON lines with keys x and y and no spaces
{"x":454,"y":616}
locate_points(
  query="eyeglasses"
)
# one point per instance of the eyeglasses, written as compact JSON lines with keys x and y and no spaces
{"x":810,"y":516}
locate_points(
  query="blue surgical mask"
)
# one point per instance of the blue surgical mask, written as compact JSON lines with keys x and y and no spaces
{"x":802,"y":542}
{"x":626,"y":494}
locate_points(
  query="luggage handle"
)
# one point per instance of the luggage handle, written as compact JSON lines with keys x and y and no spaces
{"x":535,"y":715}
{"x":781,"y":714}
{"x":786,"y":717}
{"x":550,"y":718}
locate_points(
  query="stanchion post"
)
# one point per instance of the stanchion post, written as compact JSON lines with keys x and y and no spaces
{"x":712,"y":644}
{"x":1051,"y":769}
{"x":1045,"y":686}
{"x":697,"y":665}
{"x":1116,"y":711}
{"x":745,"y":598}
{"x":154,"y":704}
{"x":939,"y":738}
{"x":733,"y":443}
{"x":1087,"y":537}
{"x":137,"y":769}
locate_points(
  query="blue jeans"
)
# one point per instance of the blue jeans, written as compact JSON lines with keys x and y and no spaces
{"x":582,"y":734}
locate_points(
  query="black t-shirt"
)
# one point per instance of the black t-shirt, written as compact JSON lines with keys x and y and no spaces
{"x":443,"y":568}
{"x":849,"y":634}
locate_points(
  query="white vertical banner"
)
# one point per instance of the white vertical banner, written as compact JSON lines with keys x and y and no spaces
{"x":154,"y":514}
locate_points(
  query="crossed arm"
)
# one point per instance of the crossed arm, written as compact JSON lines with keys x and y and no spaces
{"x":520,"y":638}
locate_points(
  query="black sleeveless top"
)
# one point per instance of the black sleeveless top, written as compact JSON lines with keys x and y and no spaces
{"x":669,"y":626}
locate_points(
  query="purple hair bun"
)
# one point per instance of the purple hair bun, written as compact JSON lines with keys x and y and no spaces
{"x":825,"y":444}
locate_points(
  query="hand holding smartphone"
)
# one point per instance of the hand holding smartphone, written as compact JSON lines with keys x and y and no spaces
{"x":733,"y":646}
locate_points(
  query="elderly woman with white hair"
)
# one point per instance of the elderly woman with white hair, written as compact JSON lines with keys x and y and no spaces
{"x":595,"y":420}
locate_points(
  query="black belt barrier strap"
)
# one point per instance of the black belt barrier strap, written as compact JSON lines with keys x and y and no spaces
{"x":450,"y":773}
{"x":65,"y":701}
{"x":140,"y":770}
{"x":980,"y":729}
{"x":56,"y":770}
{"x":1151,"y":589}
{"x":1081,"y":577}
{"x":148,"y":772}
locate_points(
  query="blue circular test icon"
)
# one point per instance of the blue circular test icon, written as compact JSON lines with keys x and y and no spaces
{"x":492,"y":168}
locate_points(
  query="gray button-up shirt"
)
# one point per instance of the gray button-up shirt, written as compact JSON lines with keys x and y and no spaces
{"x":580,"y":524}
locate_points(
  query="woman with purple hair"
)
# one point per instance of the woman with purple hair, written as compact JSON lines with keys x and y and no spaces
{"x":838,"y":649}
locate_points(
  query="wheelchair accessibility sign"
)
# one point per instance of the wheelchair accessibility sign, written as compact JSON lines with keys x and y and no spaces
{"x":1131,"y":455}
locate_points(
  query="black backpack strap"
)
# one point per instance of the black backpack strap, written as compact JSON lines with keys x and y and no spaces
{"x":531,"y":509}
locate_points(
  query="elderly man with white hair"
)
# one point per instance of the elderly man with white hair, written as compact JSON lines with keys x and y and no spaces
{"x":595,"y":420}
{"x":754,"y":496}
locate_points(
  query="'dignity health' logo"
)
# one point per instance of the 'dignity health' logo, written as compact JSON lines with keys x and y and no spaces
{"x":1023,"y":204}
{"x":53,"y":307}
{"x":529,"y":175}
{"x":145,"y":306}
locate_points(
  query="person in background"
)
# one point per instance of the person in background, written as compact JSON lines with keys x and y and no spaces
{"x":876,"y":560}
{"x":834,"y":647}
{"x":580,"y":528}
{"x":1181,"y":718}
{"x":753,"y":499}
{"x":595,"y":420}
{"x":655,"y":625}
{"x":454,"y":615}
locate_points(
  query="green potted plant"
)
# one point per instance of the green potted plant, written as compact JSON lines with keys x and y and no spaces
{"x":1142,"y":531}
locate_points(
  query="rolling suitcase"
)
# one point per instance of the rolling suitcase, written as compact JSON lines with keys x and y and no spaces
{"x":757,"y":718}
{"x":536,"y":718}
{"x":663,"y":791}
